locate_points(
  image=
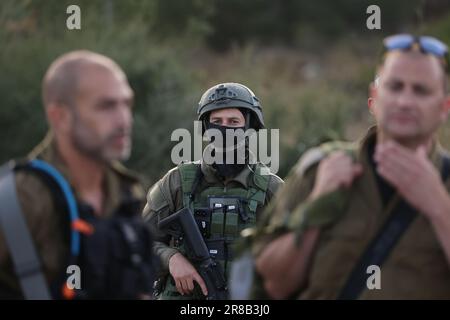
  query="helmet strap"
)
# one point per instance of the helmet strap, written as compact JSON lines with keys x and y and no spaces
{"x":247,"y":120}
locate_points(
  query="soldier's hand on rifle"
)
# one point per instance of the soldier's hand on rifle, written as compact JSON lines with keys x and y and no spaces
{"x":337,"y":170}
{"x":184,"y":274}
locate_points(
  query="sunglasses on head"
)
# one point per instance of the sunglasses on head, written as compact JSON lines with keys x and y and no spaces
{"x":426,"y":44}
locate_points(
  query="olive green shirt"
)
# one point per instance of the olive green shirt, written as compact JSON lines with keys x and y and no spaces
{"x":416,"y":268}
{"x":166,"y":197}
{"x":47,"y":223}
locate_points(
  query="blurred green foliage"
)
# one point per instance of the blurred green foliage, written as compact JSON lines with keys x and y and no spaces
{"x":310,"y":63}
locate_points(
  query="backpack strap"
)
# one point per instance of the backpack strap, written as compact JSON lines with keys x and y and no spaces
{"x":191,"y":175}
{"x":381,"y":246}
{"x":18,"y":238}
{"x":69,"y":197}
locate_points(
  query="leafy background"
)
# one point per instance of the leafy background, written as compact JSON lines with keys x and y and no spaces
{"x":310,"y":63}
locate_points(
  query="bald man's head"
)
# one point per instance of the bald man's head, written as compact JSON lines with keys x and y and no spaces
{"x":60,"y":84}
{"x":88,"y":105}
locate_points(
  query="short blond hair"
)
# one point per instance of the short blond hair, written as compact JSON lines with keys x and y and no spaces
{"x":414,"y":50}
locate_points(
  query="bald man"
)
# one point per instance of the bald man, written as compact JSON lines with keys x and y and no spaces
{"x":88,"y":103}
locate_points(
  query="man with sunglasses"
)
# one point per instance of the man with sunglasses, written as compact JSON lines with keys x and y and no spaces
{"x":370,"y":220}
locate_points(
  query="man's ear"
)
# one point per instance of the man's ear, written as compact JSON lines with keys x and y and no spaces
{"x":372,"y":96}
{"x":370,"y":104}
{"x":58,"y":116}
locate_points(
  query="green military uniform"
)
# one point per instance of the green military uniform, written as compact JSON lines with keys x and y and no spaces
{"x":221,"y":206}
{"x":47,"y":224}
{"x":166,"y":197}
{"x":349,"y":219}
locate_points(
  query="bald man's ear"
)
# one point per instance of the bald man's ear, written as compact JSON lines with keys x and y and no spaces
{"x":58,"y":117}
{"x":372,"y":95}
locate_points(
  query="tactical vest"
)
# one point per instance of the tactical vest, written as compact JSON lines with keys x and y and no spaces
{"x":114,"y":254}
{"x":221,"y":214}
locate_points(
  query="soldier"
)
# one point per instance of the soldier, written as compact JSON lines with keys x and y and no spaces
{"x":371,"y":220}
{"x":88,"y":104}
{"x":225,"y":196}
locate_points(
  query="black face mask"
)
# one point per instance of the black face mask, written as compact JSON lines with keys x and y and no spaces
{"x":232,"y":147}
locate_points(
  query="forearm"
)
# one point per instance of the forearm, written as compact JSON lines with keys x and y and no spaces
{"x":164,"y":252}
{"x":284,"y":265}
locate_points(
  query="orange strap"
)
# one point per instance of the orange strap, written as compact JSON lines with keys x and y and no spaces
{"x":83,"y":227}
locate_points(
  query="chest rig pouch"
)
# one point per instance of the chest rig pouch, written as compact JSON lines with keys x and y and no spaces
{"x":222,"y":213}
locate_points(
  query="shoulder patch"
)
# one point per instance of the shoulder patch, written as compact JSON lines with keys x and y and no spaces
{"x":156,"y":199}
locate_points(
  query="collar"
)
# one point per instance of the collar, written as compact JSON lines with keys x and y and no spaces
{"x":369,"y":188}
{"x":435,"y":154}
{"x":211,"y":175}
